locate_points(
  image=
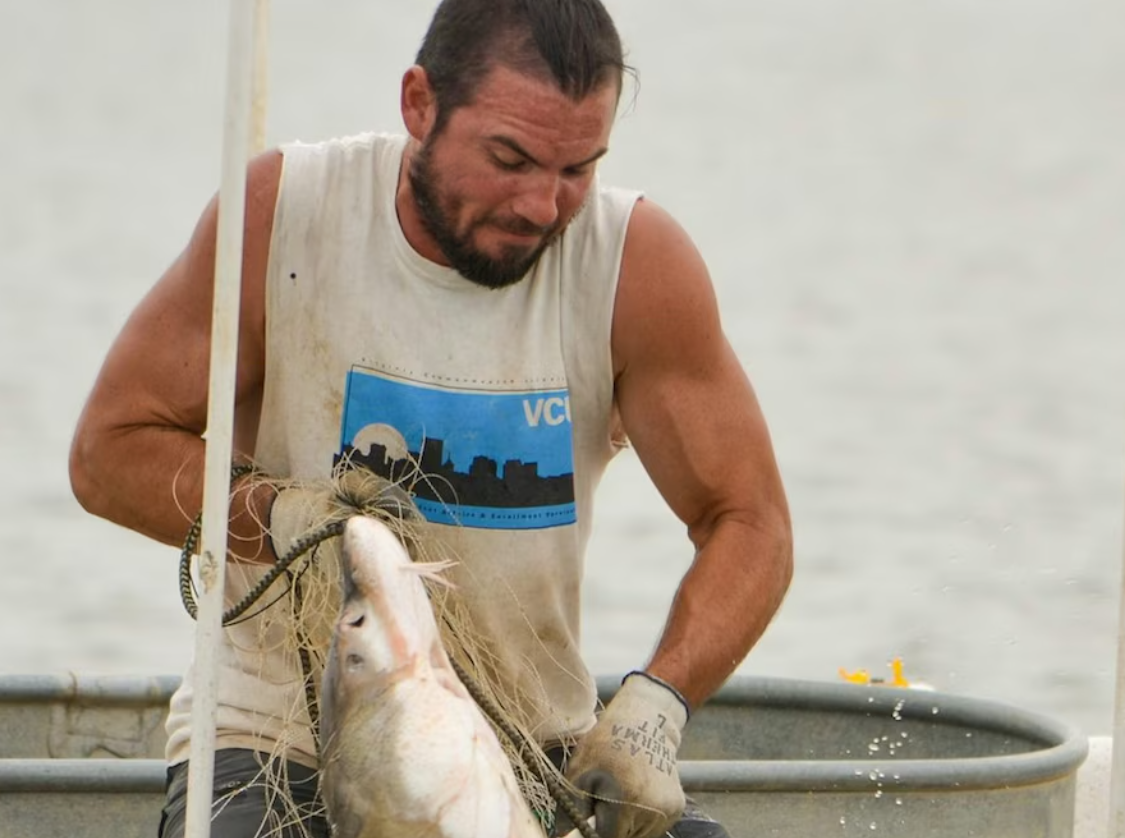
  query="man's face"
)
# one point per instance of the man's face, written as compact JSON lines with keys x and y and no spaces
{"x":507,"y":173}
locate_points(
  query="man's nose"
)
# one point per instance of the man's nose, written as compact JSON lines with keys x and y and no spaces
{"x":538,"y":203}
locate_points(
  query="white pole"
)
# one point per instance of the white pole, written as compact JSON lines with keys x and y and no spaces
{"x":261,"y":76}
{"x":220,"y":416}
{"x":1117,"y":766}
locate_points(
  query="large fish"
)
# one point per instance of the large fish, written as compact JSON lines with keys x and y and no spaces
{"x":406,"y":751}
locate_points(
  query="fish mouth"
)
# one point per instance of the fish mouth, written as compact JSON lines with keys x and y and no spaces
{"x":375,"y":633}
{"x":351,"y":588}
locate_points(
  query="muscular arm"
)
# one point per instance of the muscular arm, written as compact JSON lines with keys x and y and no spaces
{"x":137,"y":453}
{"x":695,"y":423}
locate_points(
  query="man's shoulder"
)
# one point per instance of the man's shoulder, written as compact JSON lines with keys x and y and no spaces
{"x":654,"y":230}
{"x":607,"y":207}
{"x":340,"y":166}
{"x":614,"y":194}
{"x":367,"y":141}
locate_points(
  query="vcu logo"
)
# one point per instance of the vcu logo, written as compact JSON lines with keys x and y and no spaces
{"x":549,"y":410}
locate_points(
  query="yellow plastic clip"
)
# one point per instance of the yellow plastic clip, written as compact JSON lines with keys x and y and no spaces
{"x":862,"y":676}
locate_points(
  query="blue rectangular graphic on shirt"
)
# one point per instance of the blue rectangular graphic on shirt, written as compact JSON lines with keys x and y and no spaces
{"x":479,"y":458}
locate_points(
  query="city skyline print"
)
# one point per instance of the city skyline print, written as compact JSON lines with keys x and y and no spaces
{"x":488,"y":459}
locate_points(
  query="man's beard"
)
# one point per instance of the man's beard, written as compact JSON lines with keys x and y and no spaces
{"x":478,"y":267}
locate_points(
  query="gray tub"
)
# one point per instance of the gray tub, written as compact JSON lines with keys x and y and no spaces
{"x":800,"y":759}
{"x":769,"y":757}
{"x":82,"y":756}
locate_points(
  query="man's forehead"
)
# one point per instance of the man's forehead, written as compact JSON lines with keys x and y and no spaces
{"x":533,"y":103}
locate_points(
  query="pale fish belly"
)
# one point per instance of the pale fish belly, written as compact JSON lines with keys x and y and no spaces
{"x":423,"y":762}
{"x":407,"y":752}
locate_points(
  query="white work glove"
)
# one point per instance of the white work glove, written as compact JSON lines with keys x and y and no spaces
{"x":625,"y":767}
{"x":303,"y":509}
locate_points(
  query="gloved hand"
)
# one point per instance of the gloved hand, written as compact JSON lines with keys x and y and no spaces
{"x":301,"y":509}
{"x":625,"y":767}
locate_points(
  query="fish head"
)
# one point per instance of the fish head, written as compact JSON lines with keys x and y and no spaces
{"x":385,"y":637}
{"x":385,"y":626}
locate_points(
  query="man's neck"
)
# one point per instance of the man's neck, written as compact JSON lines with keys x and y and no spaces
{"x":407,"y":211}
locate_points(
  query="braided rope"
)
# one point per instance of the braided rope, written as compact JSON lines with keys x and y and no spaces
{"x":300,"y":547}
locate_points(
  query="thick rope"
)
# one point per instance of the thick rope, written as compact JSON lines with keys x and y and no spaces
{"x":312,"y":703}
{"x":300,"y":547}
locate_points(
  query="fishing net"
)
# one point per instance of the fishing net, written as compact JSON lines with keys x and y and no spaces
{"x":293,"y":617}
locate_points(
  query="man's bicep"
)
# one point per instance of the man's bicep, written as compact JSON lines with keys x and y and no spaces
{"x":684,"y":398}
{"x":158,"y":369}
{"x":702,"y":439}
{"x":151,"y":373}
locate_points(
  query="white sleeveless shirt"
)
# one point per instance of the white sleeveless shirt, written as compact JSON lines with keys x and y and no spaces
{"x":505,"y":397}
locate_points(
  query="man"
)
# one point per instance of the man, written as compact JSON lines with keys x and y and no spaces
{"x":468,"y":312}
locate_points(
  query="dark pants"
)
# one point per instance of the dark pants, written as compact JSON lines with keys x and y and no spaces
{"x":696,"y":823}
{"x":246,"y":805}
{"x":245,"y":802}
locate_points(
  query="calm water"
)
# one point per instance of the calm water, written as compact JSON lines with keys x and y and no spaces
{"x":913,"y":215}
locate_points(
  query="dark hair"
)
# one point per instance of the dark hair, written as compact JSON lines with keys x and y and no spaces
{"x":572,"y":42}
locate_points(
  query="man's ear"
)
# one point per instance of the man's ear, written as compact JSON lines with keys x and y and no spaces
{"x":418,"y":103}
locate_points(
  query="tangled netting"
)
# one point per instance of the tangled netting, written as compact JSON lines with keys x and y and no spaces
{"x":289,"y":611}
